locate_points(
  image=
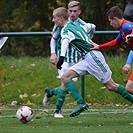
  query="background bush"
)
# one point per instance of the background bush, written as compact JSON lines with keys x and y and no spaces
{"x":24,"y":15}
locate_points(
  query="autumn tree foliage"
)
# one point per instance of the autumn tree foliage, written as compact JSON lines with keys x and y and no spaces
{"x":32,"y":15}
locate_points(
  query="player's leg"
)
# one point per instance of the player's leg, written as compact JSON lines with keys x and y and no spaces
{"x":104,"y":75}
{"x":112,"y":86}
{"x":61,"y":95}
{"x":73,"y":89}
{"x":70,"y":86}
{"x":48,"y":94}
{"x":66,"y":66}
{"x":129,"y":85}
{"x":81,"y":104}
{"x":61,"y":92}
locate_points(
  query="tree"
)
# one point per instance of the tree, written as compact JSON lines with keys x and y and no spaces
{"x":24,"y":15}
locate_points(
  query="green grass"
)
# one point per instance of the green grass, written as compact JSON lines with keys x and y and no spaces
{"x":25,"y":75}
{"x":98,"y":119}
{"x":24,"y":79}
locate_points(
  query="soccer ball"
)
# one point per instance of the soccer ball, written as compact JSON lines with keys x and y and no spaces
{"x":24,"y":114}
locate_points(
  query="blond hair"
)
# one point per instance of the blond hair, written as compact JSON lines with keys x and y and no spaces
{"x":73,"y":3}
{"x":61,"y":11}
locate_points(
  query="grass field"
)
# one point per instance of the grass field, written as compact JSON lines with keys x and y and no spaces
{"x":98,"y":119}
{"x":23,"y":80}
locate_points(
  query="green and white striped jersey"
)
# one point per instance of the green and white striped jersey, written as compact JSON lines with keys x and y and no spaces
{"x":72,"y":54}
{"x":77,"y":37}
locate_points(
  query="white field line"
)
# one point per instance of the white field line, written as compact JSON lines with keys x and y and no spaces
{"x":90,"y":109}
{"x":66,"y":112}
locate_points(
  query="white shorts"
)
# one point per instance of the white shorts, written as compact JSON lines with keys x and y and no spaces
{"x":65,"y":66}
{"x":94,"y":64}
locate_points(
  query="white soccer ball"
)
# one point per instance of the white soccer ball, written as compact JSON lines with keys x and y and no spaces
{"x":24,"y":114}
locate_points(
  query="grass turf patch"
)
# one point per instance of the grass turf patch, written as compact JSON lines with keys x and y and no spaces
{"x":98,"y":119}
{"x":23,"y":80}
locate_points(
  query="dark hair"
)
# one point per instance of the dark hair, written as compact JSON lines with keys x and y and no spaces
{"x":115,"y":11}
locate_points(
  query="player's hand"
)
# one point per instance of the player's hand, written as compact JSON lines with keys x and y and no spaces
{"x":60,"y":62}
{"x":129,"y":37}
{"x":96,"y":46}
{"x":53,"y":58}
{"x":126,"y":68}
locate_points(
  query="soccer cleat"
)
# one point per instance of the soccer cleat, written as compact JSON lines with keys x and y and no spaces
{"x":58,"y":115}
{"x":46,"y":99}
{"x":79,"y":108}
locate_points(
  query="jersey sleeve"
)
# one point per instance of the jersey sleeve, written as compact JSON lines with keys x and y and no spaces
{"x":55,"y":32}
{"x":91,"y":29}
{"x":110,"y":44}
{"x":52,"y":45}
{"x":64,"y":46}
{"x":64,"y":41}
{"x":88,"y":27}
{"x":130,"y":58}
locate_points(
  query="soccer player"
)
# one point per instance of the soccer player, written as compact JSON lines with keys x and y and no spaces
{"x":128,"y":14}
{"x":93,"y":63}
{"x":115,"y":17}
{"x":72,"y":55}
{"x":126,"y":68}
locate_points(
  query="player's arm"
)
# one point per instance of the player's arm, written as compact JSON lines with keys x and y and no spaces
{"x":64,"y":47}
{"x":127,"y":67}
{"x":110,"y":44}
{"x":55,"y":34}
{"x":53,"y":57}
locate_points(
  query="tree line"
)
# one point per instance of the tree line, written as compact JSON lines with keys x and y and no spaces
{"x":32,"y":15}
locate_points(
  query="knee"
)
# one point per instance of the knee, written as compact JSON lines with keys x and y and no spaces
{"x":64,"y":78}
{"x":129,"y":88}
{"x":67,"y":76}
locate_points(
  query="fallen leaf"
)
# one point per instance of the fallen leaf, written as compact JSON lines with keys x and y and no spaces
{"x":23,"y":95}
{"x":44,"y":111}
{"x":29,"y":103}
{"x":36,"y":95}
